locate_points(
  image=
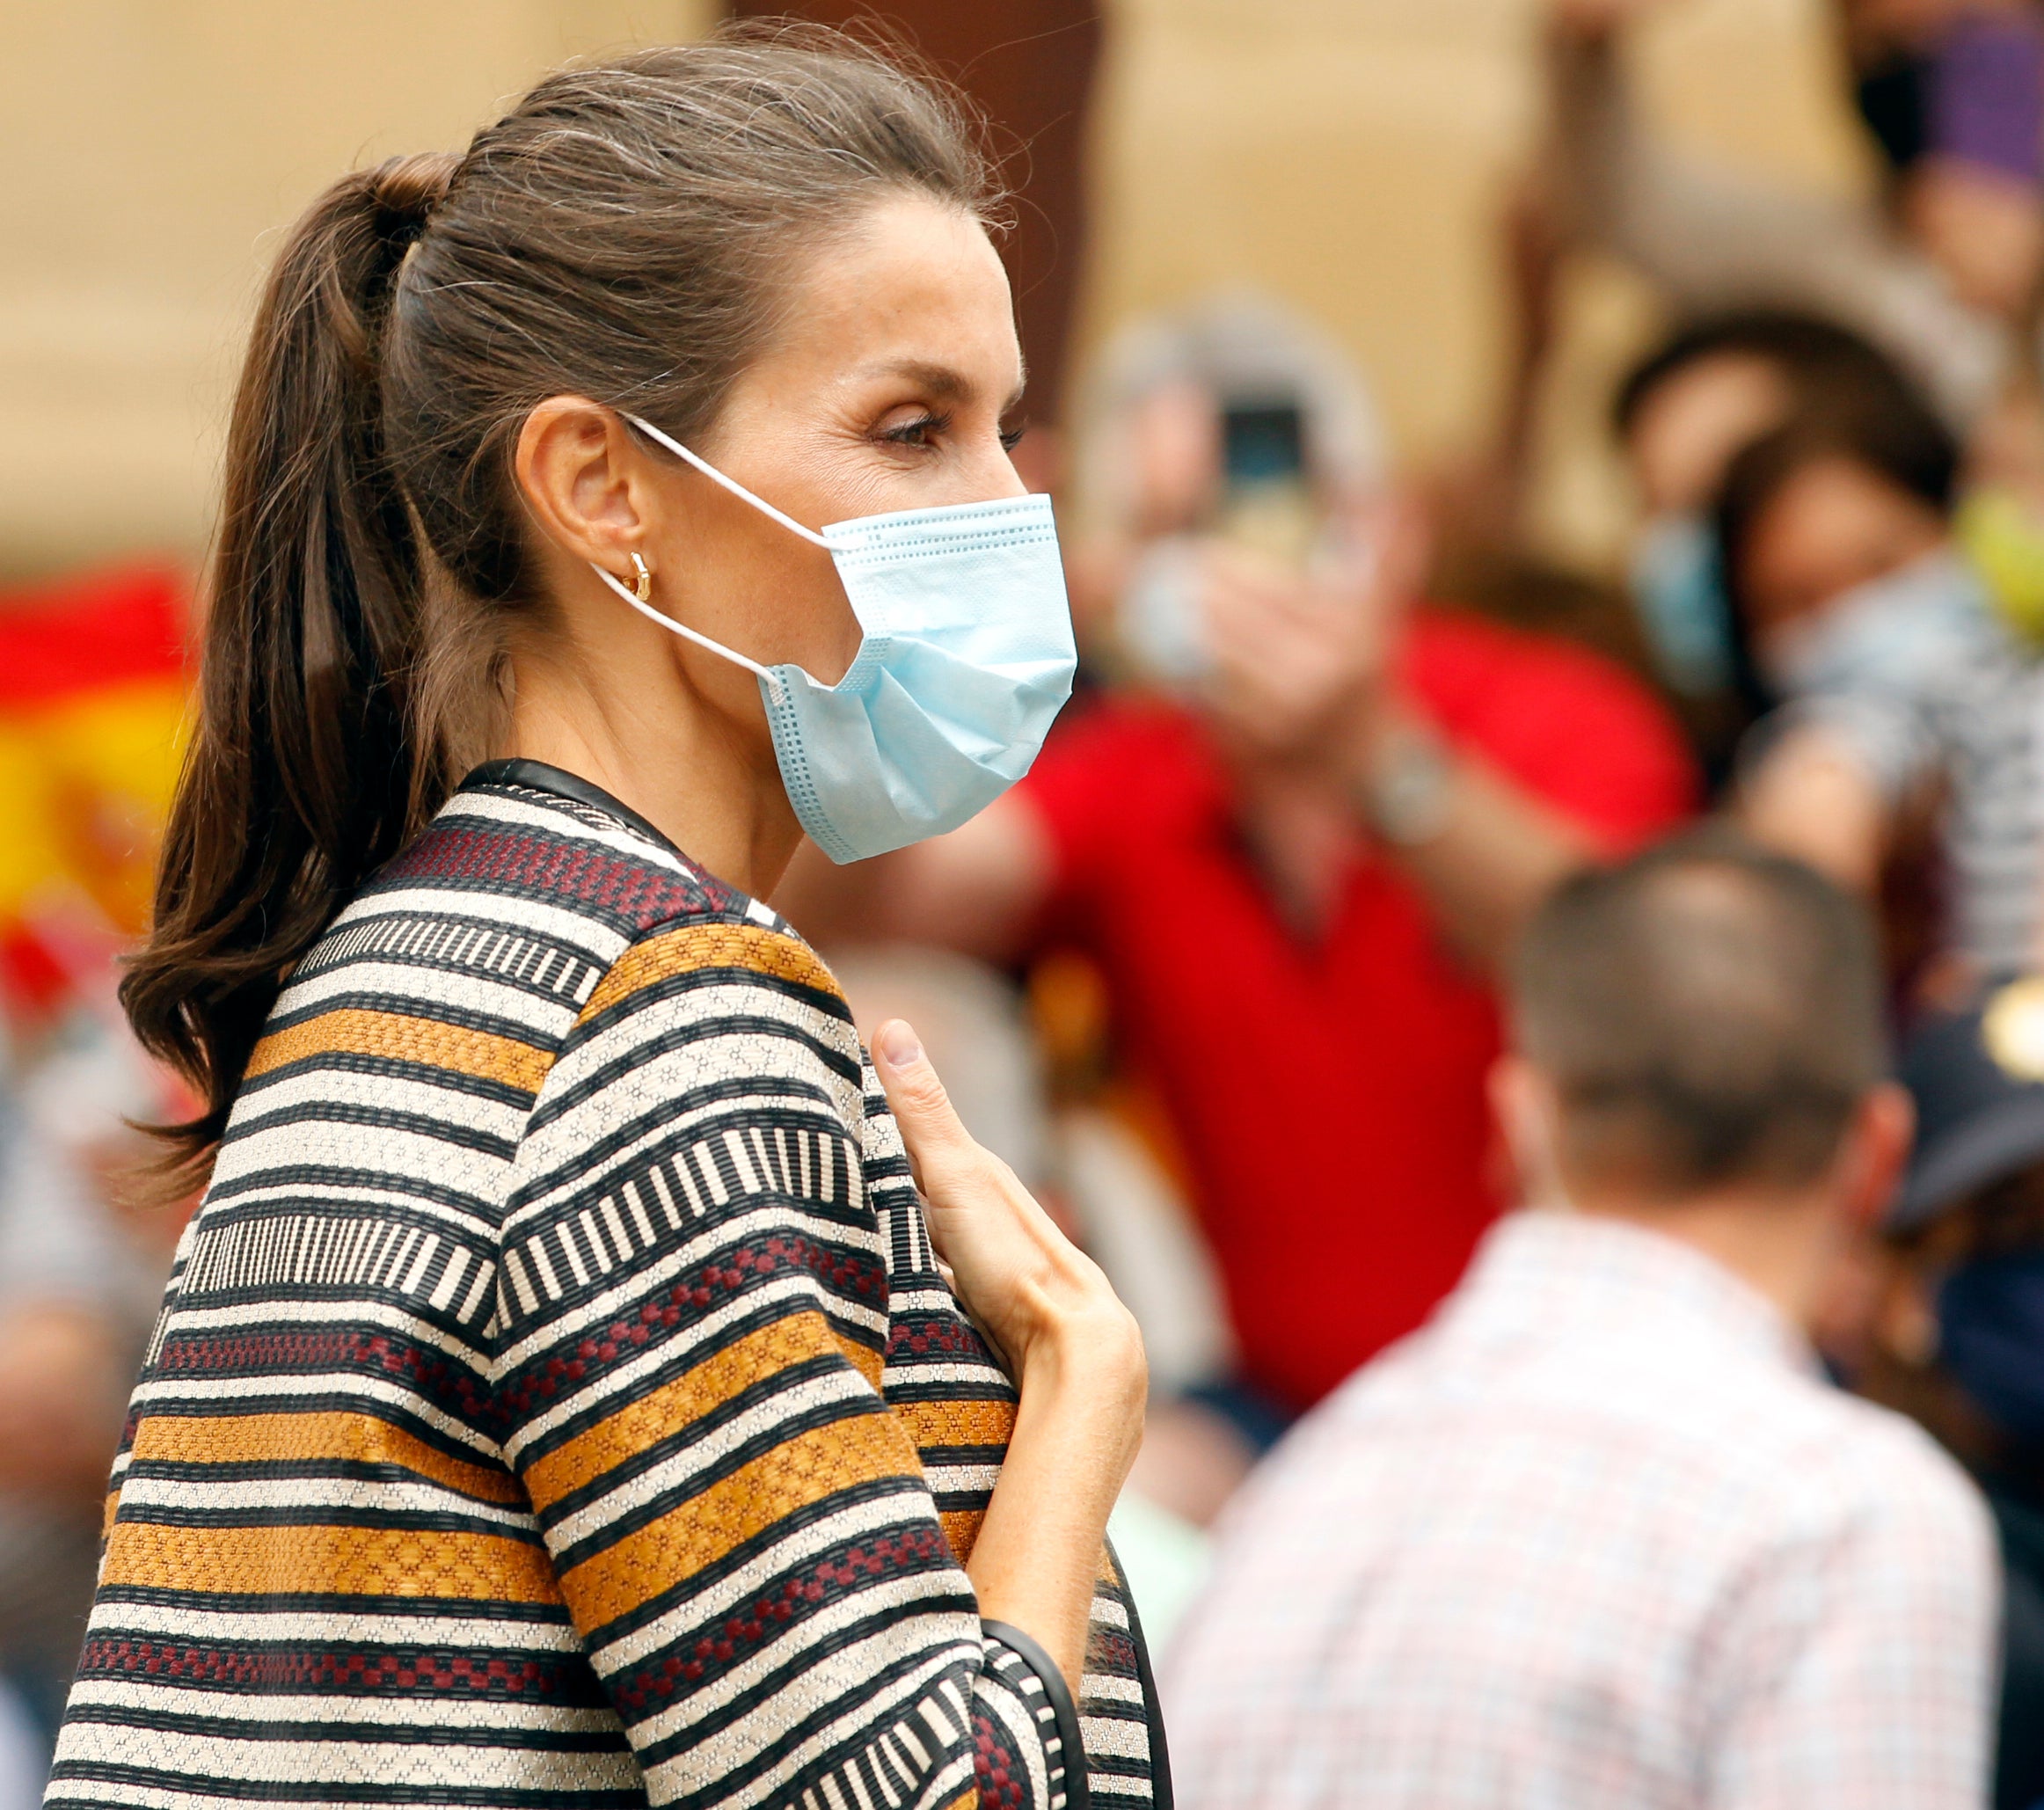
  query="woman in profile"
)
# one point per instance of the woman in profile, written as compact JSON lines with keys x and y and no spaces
{"x":561,"y":1397}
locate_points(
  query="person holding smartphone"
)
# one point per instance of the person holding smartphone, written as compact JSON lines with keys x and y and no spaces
{"x":563,"y":1394}
{"x":1294,"y":834}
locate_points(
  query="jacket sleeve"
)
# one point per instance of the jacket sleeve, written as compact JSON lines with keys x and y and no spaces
{"x":693,"y":1309}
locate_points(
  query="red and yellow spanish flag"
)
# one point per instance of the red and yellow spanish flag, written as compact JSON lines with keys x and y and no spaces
{"x":95,"y":680}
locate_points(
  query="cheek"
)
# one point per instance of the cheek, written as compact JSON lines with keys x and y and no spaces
{"x":791,"y":609}
{"x":1768,"y":610}
{"x":829,"y":631}
{"x":761,"y":591}
{"x":1787,"y":576}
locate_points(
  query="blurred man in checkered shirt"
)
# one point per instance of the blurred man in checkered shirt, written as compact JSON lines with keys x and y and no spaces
{"x":1601,"y":1535}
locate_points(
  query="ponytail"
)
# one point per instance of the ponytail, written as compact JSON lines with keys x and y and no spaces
{"x":306,"y":771}
{"x":622,"y":234}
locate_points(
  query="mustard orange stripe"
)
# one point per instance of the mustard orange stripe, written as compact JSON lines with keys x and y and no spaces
{"x":962,"y":1528}
{"x":319,"y":1560}
{"x":677,"y":1406}
{"x":958,"y":1423}
{"x":351,"y":1031}
{"x":769,"y":953}
{"x":803,"y":1469}
{"x":354,"y":1438}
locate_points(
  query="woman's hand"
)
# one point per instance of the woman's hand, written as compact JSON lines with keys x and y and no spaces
{"x":1071,"y":1347}
{"x":1044,"y":1302}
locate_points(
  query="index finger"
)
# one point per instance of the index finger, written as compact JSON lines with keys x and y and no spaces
{"x":938,"y":1144}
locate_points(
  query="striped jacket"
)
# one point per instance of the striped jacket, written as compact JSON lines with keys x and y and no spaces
{"x":555,"y":1401}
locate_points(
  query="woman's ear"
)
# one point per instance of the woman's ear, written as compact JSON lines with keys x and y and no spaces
{"x":584,"y":481}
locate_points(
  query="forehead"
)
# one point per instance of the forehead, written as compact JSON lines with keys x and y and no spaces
{"x":1695,"y":420}
{"x":1719,"y":386}
{"x":912,"y":281}
{"x":1830,"y":500}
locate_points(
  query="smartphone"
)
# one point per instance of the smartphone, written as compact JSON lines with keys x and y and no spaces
{"x":1268,"y":499}
{"x":1263,"y":443}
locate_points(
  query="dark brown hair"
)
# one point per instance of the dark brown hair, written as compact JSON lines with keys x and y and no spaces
{"x":1816,"y":358}
{"x":624,"y":233}
{"x":1708,"y":1011}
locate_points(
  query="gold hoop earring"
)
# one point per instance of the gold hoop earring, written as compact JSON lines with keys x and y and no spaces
{"x":642,"y":589}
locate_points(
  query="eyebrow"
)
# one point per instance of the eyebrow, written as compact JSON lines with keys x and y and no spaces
{"x":941,"y":380}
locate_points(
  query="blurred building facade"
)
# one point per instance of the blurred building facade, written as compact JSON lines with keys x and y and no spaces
{"x":1350,"y":156}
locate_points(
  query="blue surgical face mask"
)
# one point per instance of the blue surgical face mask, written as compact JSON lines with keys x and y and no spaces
{"x":966,"y":657}
{"x":1680,"y":598}
{"x":1991,"y":1336}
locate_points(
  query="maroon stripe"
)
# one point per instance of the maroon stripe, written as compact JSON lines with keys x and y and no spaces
{"x":632,"y":892}
{"x":564,"y":1678}
{"x":693,"y":1661}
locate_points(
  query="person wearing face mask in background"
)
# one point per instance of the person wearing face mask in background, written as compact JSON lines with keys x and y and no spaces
{"x":1302,"y":815}
{"x":1681,"y":415}
{"x":1901,"y":697}
{"x":1939,"y":265}
{"x":563,"y":1393}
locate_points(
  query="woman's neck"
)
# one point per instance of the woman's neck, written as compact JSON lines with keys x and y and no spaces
{"x":688,"y":773}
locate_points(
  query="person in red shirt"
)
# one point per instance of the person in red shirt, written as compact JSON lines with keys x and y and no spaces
{"x":1323,"y":1058}
{"x":1294,"y":843}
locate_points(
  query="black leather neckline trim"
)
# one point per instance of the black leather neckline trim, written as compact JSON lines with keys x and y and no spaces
{"x":537,"y":775}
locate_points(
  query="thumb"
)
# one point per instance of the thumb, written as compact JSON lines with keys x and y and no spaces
{"x":938,"y":1144}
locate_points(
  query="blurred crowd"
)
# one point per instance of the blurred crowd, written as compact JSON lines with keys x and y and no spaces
{"x":1339,"y":918}
{"x":92,"y":681}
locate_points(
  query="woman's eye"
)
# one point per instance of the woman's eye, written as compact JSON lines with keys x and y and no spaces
{"x":918,"y":432}
{"x":1012,"y":437}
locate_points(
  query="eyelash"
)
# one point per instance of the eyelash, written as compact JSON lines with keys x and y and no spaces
{"x":916,"y":433}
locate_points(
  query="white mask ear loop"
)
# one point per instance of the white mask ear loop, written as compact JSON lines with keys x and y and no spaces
{"x":679,"y":628}
{"x":730,"y":484}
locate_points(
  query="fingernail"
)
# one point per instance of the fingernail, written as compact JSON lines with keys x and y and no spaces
{"x":899,"y":1044}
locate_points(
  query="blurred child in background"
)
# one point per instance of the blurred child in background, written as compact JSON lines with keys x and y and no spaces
{"x":70,"y":1330}
{"x":1682,"y":415}
{"x":1901,"y":691}
{"x":1940,"y":267}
